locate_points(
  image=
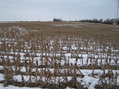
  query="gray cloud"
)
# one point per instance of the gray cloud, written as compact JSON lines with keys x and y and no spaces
{"x":48,"y":9}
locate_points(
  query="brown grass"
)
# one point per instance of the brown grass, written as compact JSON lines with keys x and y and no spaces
{"x":21,"y":42}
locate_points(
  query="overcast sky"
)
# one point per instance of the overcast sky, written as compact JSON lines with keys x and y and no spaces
{"x":46,"y":10}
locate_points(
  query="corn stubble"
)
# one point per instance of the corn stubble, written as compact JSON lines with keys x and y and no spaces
{"x":41,"y":49}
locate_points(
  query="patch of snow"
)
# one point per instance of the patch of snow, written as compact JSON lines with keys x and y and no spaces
{"x":1,"y":77}
{"x":1,"y":67}
{"x":73,"y":25}
{"x":88,"y":81}
{"x":14,"y":87}
{"x":26,"y":78}
{"x":69,"y":88}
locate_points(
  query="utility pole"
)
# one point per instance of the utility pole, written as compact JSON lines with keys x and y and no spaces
{"x":117,"y":11}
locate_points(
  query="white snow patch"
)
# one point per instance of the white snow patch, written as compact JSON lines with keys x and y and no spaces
{"x":14,"y":87}
{"x":1,"y":77}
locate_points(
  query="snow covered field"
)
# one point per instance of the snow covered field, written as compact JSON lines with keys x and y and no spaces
{"x":57,"y":55}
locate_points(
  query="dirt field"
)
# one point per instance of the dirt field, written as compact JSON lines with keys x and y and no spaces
{"x":59,"y":55}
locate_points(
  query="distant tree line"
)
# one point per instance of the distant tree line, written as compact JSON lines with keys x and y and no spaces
{"x":107,"y":21}
{"x":57,"y":20}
